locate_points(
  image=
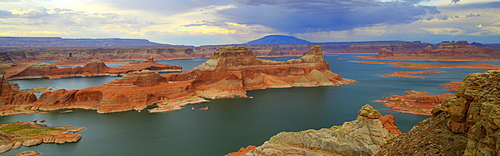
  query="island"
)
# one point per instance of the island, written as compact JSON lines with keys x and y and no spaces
{"x":414,"y":102}
{"x":17,"y":134}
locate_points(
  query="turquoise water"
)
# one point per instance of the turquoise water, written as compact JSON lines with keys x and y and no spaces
{"x":233,"y":123}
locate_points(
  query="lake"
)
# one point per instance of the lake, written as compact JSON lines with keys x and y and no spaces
{"x":234,"y":123}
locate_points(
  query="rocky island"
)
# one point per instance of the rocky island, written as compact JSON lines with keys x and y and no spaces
{"x":15,"y":135}
{"x":230,"y":73}
{"x":414,"y":102}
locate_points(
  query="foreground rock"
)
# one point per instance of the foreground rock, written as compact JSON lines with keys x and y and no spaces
{"x":414,"y":102}
{"x":230,"y":73}
{"x":15,"y":135}
{"x":362,"y":136}
{"x":93,"y":68}
{"x":465,"y":124}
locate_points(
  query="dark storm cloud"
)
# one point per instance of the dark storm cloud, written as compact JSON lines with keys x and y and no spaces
{"x":298,"y":16}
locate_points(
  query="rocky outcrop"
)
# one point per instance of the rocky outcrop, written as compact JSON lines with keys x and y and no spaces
{"x":410,"y":74}
{"x":230,"y":73}
{"x":465,"y":124}
{"x":93,"y":68}
{"x":385,"y":53}
{"x":11,"y":100}
{"x":15,"y":135}
{"x":414,"y":102}
{"x":452,"y":86}
{"x":362,"y":136}
{"x":26,"y":153}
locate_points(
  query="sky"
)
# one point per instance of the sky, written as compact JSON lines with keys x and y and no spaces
{"x":210,"y":22}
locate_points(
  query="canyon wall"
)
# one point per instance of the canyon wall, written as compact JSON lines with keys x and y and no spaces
{"x":465,"y":124}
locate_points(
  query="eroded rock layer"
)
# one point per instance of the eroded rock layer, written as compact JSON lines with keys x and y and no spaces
{"x":362,"y":136}
{"x":465,"y":124}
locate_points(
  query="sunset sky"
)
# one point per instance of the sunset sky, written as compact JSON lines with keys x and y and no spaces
{"x":203,"y":22}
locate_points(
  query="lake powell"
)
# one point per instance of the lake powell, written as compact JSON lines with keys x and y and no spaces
{"x":233,"y":123}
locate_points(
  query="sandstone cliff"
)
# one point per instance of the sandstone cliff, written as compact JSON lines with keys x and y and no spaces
{"x":465,"y":124}
{"x":12,"y":101}
{"x":362,"y":136}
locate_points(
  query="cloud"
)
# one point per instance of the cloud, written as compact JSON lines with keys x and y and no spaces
{"x":455,"y":1}
{"x":9,"y":0}
{"x":298,"y":16}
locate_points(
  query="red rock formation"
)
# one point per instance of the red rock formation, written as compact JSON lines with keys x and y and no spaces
{"x":410,"y":74}
{"x":452,"y":85}
{"x":414,"y":102}
{"x":389,"y":123}
{"x":231,"y":72}
{"x":242,"y":151}
{"x":455,"y":49}
{"x":11,"y":100}
{"x":447,"y":51}
{"x":93,"y":68}
{"x":411,"y":65}
{"x":385,"y":53}
{"x":397,"y":47}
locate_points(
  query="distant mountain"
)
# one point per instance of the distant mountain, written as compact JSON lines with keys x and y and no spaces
{"x":278,"y":39}
{"x":81,"y":42}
